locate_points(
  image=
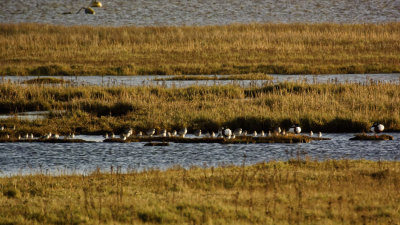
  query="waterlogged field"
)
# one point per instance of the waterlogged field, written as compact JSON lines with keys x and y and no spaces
{"x":33,"y":49}
{"x":294,"y":192}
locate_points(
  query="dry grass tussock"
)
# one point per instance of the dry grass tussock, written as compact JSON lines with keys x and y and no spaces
{"x":233,"y":49}
{"x":293,"y":192}
{"x":94,"y":109}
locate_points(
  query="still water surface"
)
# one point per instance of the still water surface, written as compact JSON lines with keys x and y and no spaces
{"x":150,"y":80}
{"x":199,"y":12}
{"x":83,"y":158}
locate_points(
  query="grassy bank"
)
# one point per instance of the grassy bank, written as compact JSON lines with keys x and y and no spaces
{"x":94,"y":109}
{"x":233,"y":49}
{"x":293,"y":192}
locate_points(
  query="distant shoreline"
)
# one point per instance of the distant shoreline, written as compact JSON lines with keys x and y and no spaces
{"x":40,"y":49}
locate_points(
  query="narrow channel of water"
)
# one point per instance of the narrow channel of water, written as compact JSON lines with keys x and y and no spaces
{"x":150,"y":80}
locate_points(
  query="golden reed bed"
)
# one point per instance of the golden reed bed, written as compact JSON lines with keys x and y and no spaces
{"x":37,"y":49}
{"x":297,"y":191}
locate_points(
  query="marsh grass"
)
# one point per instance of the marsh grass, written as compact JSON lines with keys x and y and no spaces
{"x":37,"y":49}
{"x":46,"y":80}
{"x":95,"y":110}
{"x":298,"y":191}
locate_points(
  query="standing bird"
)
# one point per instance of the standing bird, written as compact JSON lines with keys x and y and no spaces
{"x":105,"y":136}
{"x":237,"y":132}
{"x":311,"y":133}
{"x":197,"y":133}
{"x":377,"y":128}
{"x":163,"y":133}
{"x":150,"y":132}
{"x":140,"y":134}
{"x":174,"y":133}
{"x":212,"y":134}
{"x":183,"y":132}
{"x":269,"y":133}
{"x":295,"y":129}
{"x":278,"y":130}
{"x":320,"y":134}
{"x":244,"y":133}
{"x":228,"y":133}
{"x":2,"y":128}
{"x":262,"y":134}
{"x":255,"y":134}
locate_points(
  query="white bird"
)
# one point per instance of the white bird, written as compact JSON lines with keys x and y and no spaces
{"x":105,"y":136}
{"x":26,"y":136}
{"x":311,"y":133}
{"x":19,"y":137}
{"x":169,"y":134}
{"x":112,"y":135}
{"x":31,"y":136}
{"x":163,"y":133}
{"x":151,"y":132}
{"x":123,"y":138}
{"x":8,"y":136}
{"x":295,"y":129}
{"x":174,"y":133}
{"x":244,"y":133}
{"x":255,"y":134}
{"x":56,"y":136}
{"x":269,"y":133}
{"x":183,"y":132}
{"x":377,"y":128}
{"x":47,"y":136}
{"x":284,"y":132}
{"x":14,"y":127}
{"x":278,"y":130}
{"x":237,"y":131}
{"x":2,"y":128}
{"x":140,"y":134}
{"x":197,"y":133}
{"x":233,"y":136}
{"x":262,"y":134}
{"x":73,"y":135}
{"x":319,"y":134}
{"x":213,"y":134}
{"x":228,"y":133}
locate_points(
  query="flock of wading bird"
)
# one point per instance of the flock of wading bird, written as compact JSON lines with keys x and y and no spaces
{"x":222,"y":133}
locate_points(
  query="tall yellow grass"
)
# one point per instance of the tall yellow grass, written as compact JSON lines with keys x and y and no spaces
{"x":293,"y":192}
{"x":93,"y":109}
{"x":232,"y":49}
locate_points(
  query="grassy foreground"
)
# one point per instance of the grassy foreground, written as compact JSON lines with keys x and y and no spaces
{"x":37,"y":49}
{"x":94,"y":109}
{"x":292,"y":192}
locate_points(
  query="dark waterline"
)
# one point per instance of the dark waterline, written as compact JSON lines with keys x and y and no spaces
{"x":27,"y":158}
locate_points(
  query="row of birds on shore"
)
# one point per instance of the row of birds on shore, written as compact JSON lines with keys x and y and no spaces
{"x":222,"y":132}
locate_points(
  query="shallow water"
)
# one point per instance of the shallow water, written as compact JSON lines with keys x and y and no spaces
{"x":200,"y":12}
{"x":149,"y":80}
{"x":83,"y":158}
